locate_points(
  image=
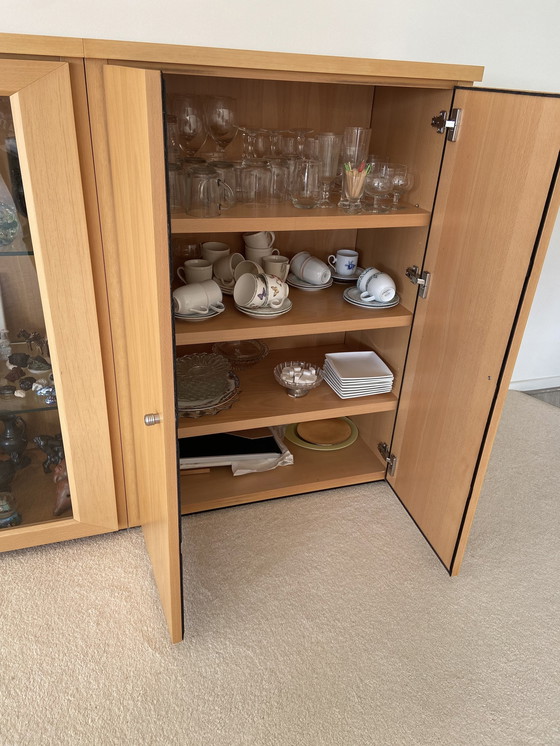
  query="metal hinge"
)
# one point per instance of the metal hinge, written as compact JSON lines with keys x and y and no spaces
{"x":388,"y":457}
{"x":449,"y":125}
{"x":420,"y":279}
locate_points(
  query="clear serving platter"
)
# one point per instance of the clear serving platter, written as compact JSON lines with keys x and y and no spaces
{"x":242,"y":352}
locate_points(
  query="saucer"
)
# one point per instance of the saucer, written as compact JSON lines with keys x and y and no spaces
{"x":352,"y":295}
{"x":347,"y":278}
{"x":266,"y":313}
{"x":295,"y":282}
{"x":226,"y":289}
{"x":199,"y":316}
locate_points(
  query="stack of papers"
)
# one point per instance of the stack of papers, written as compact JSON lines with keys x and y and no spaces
{"x":352,"y":374}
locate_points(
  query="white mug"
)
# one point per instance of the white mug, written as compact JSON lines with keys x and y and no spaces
{"x":259,"y":240}
{"x":247,"y":267}
{"x":375,"y":285}
{"x":345,"y":262}
{"x":213,"y":291}
{"x":189,"y":299}
{"x":195,"y":270}
{"x":225,"y":266}
{"x":314,"y":271}
{"x":212,"y":250}
{"x":254,"y":254}
{"x":276,"y":265}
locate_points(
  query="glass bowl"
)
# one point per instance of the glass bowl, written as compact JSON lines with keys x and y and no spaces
{"x":242,"y":353}
{"x":297,"y":377}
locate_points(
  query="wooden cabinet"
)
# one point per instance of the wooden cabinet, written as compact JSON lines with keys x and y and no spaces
{"x":47,"y":290}
{"x":478,"y":221}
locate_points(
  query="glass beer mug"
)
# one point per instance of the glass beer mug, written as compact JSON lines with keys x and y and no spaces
{"x":206,"y":194}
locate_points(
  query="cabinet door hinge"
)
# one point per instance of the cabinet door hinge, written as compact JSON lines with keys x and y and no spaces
{"x":388,"y":457}
{"x":449,"y":125}
{"x":422,"y":279}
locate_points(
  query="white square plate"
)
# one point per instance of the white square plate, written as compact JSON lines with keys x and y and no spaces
{"x":351,"y":365}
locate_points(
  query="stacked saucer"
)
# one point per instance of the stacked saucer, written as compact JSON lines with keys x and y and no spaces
{"x":352,"y":374}
{"x":296,"y":282}
{"x":206,"y":384}
{"x":266,"y":312}
{"x":352,"y":295}
{"x":347,"y":278}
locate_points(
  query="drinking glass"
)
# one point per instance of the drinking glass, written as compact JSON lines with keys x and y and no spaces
{"x":402,"y":181}
{"x":226,"y":172}
{"x":220,"y":113}
{"x":256,"y":183}
{"x":354,"y":150}
{"x":300,"y":135}
{"x":354,"y":181}
{"x":328,"y":144}
{"x":190,"y":123}
{"x":306,"y":188}
{"x":249,"y":133}
{"x":262,"y":143}
{"x":378,"y":186}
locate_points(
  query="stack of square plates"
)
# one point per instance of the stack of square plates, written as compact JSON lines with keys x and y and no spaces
{"x":352,"y":374}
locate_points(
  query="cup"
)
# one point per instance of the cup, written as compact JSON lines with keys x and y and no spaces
{"x":376,"y":285}
{"x":344,"y":262}
{"x":297,"y":260}
{"x":195,"y":270}
{"x":259,"y":240}
{"x":257,"y":255}
{"x":189,"y":299}
{"x":247,"y":267}
{"x":224,"y":267}
{"x":213,"y":293}
{"x":314,"y":271}
{"x":277,"y":290}
{"x":251,"y":291}
{"x":212,"y":250}
{"x":256,"y":181}
{"x":306,"y":185}
{"x":205,"y":193}
{"x":276,"y":265}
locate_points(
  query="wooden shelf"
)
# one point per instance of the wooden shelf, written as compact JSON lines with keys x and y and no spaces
{"x":285,"y":217}
{"x":311,"y":471}
{"x":316,"y":312}
{"x":263,"y":402}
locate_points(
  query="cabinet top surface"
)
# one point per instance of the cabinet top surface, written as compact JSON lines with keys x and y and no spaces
{"x":202,"y":60}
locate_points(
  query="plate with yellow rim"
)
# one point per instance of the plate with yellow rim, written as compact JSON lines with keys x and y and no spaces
{"x":292,"y":436}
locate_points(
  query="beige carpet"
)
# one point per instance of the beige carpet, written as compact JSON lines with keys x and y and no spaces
{"x":323,"y":619}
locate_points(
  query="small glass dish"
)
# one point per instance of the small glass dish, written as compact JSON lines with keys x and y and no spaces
{"x":297,"y":377}
{"x":242,"y":353}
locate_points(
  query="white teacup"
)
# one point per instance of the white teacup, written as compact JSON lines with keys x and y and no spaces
{"x":195,"y":270}
{"x":259,"y":240}
{"x":213,"y":292}
{"x":251,"y":291}
{"x":297,"y":260}
{"x":224,"y":267}
{"x":189,"y":299}
{"x":376,"y":285}
{"x":314,"y":271}
{"x":213,"y":250}
{"x":345,"y":262}
{"x":276,"y":265}
{"x":247,"y":267}
{"x":254,"y":254}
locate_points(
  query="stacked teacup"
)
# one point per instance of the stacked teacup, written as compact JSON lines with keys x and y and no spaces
{"x":309,"y":273}
{"x":373,"y":289}
{"x":198,"y":300}
{"x":261,"y":295}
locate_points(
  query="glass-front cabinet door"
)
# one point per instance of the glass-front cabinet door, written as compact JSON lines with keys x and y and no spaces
{"x":56,"y":475}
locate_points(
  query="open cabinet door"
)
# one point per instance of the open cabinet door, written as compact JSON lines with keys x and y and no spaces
{"x":133,"y":100}
{"x":493,"y":211}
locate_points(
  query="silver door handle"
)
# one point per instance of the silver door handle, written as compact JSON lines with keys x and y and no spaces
{"x":152,"y":419}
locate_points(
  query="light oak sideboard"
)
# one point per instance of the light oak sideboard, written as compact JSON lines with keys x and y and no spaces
{"x":466,"y":253}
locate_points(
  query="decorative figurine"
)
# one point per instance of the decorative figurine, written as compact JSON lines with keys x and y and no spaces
{"x":52,"y":446}
{"x":34,"y":338}
{"x":13,"y":440}
{"x":63,"y":499}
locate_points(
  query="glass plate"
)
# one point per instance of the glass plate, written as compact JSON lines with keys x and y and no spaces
{"x":243,"y":352}
{"x":202,"y":378}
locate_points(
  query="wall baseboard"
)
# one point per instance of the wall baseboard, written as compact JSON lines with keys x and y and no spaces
{"x":536,"y":384}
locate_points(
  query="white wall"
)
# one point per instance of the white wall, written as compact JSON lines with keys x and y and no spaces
{"x":516,"y":41}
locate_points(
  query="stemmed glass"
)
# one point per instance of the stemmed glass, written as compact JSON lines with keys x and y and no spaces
{"x":378,"y":185}
{"x":220,"y":114}
{"x":300,"y":135}
{"x":328,"y":153}
{"x":190,"y":123}
{"x":402,"y":182}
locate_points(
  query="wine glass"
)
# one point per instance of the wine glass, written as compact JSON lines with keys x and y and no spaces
{"x":220,"y":114}
{"x":300,"y":135}
{"x":190,"y":123}
{"x":402,"y":182}
{"x":328,"y":146}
